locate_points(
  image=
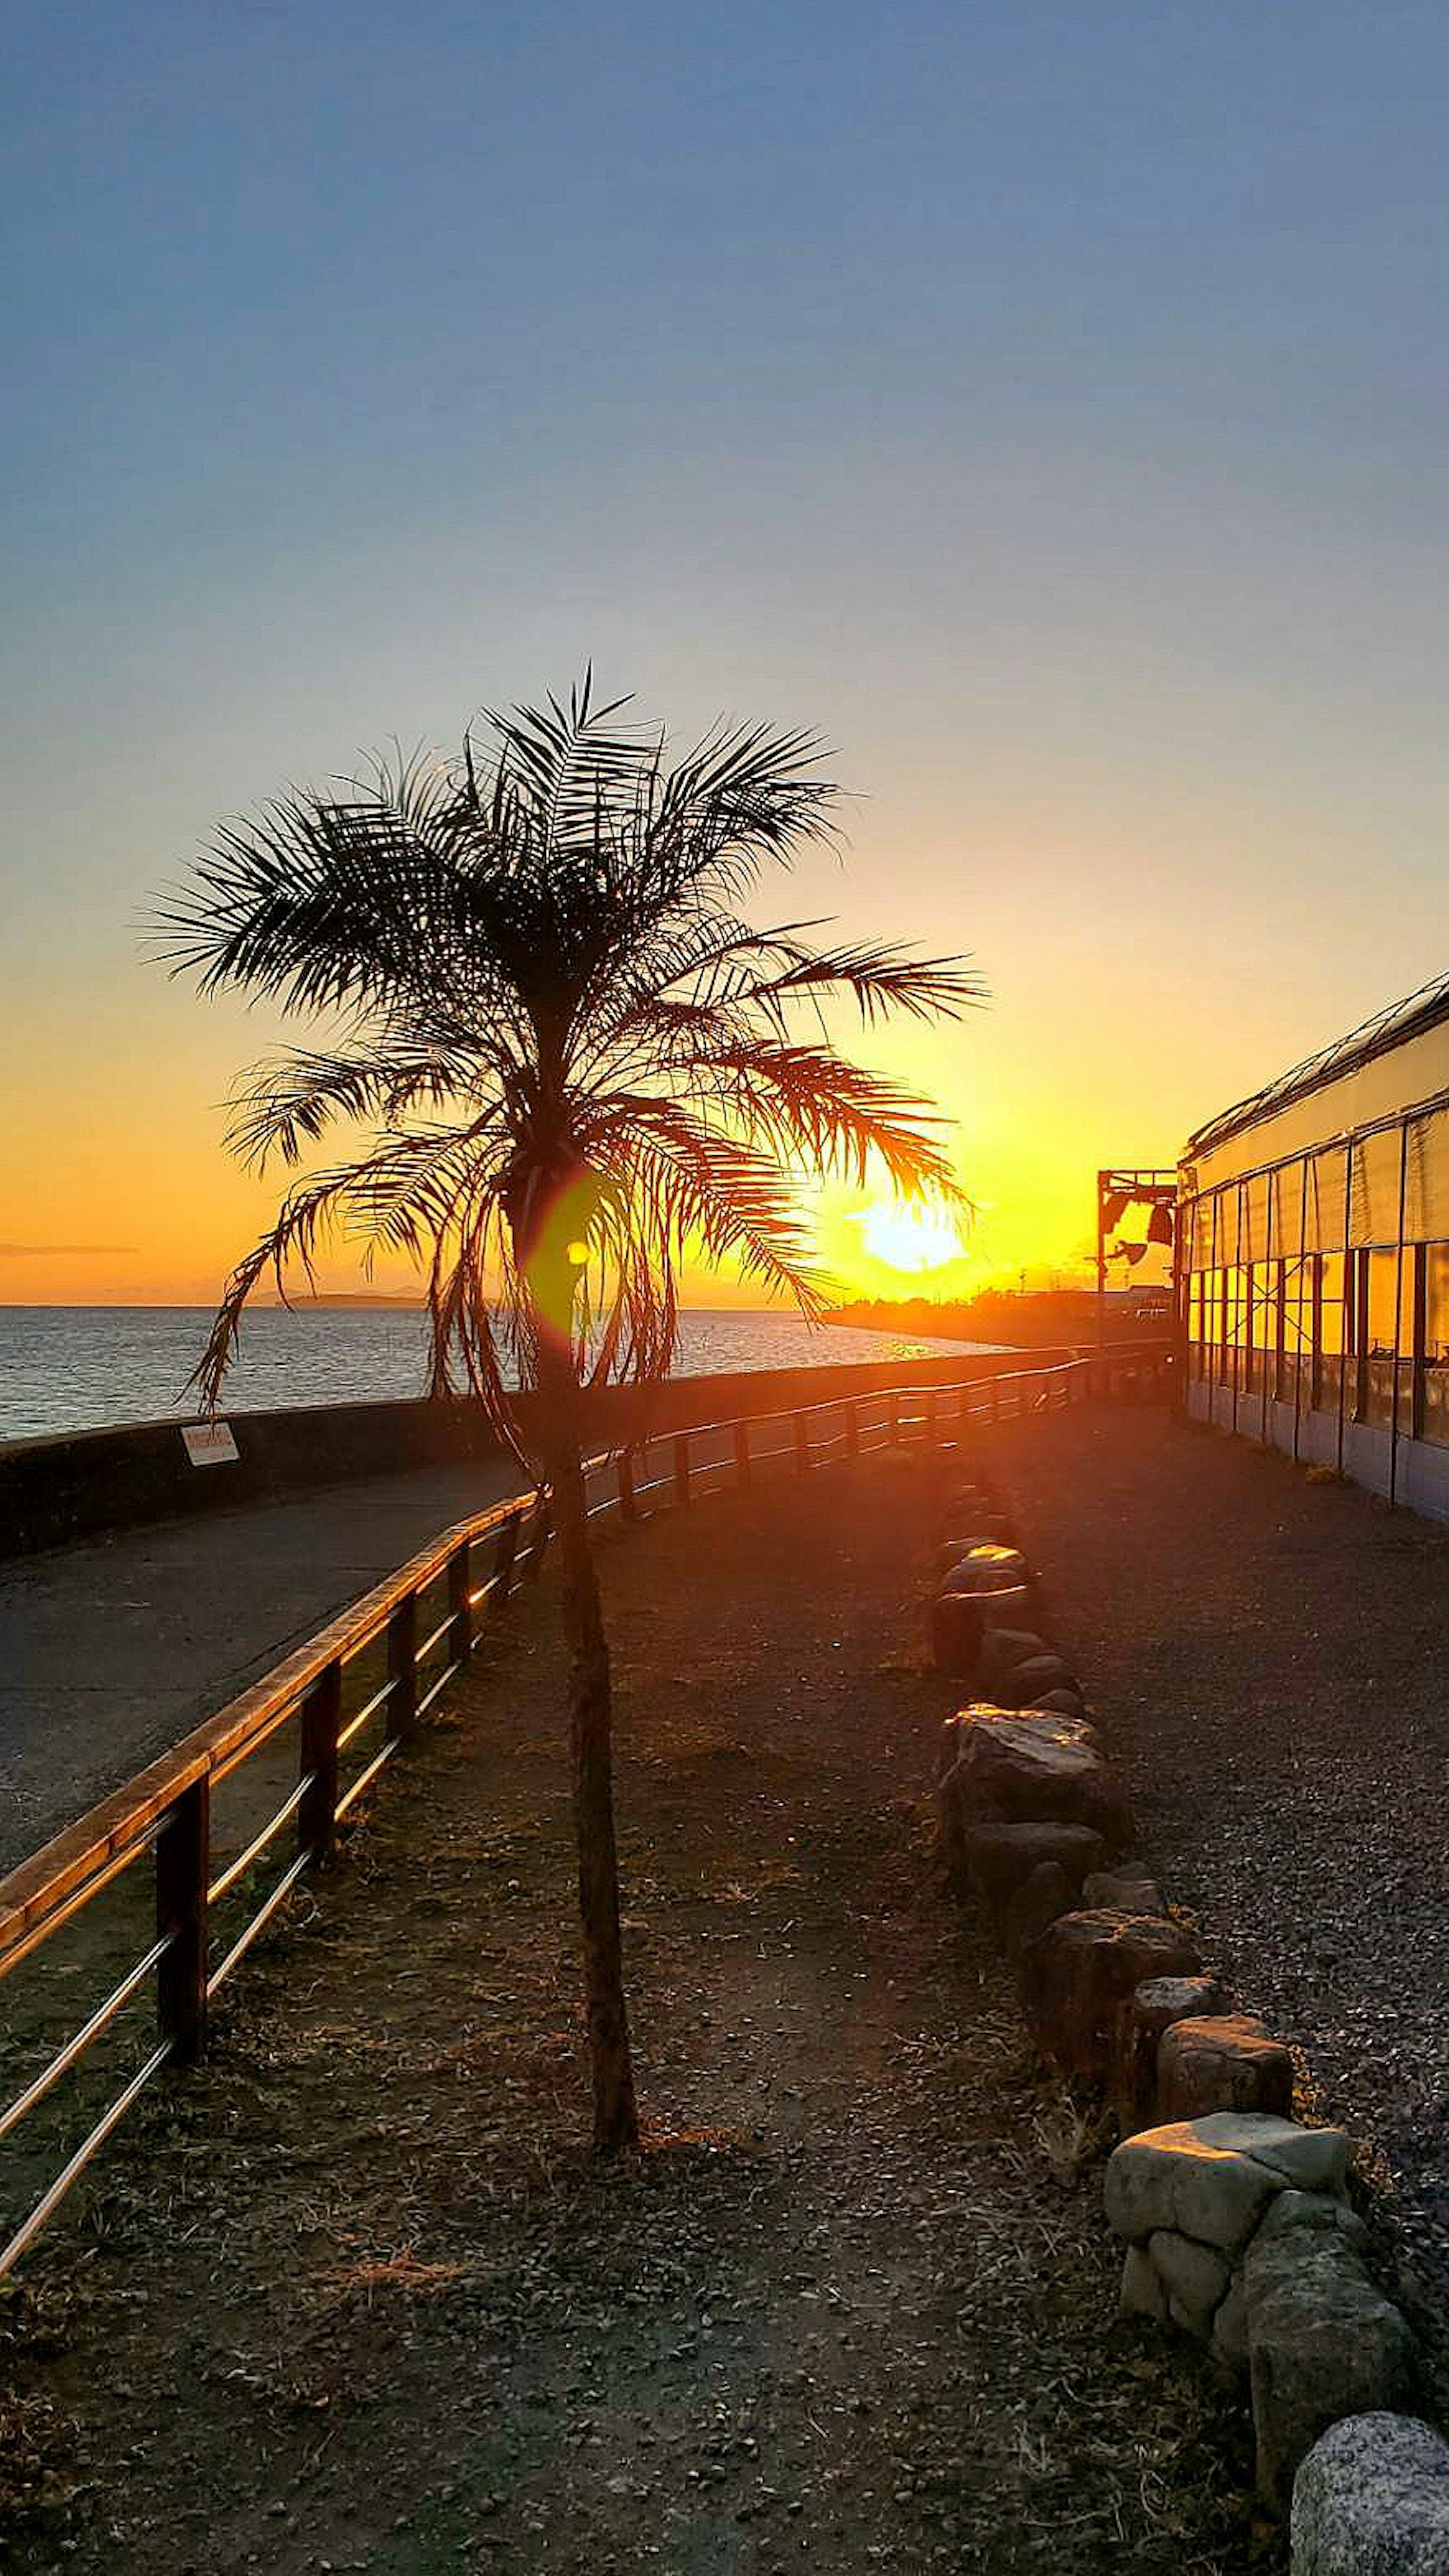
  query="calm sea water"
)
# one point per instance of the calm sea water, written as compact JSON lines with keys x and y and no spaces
{"x":80,"y":1368}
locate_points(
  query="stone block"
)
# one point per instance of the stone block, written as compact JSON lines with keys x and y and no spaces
{"x":1195,"y":2277}
{"x":1075,"y":1979}
{"x":1039,"y":1673}
{"x":1007,"y":1607}
{"x":967,"y":1529}
{"x":999,"y":1857}
{"x":1040,"y":1899}
{"x":1026,"y":1769}
{"x":1147,"y":2012}
{"x":1222,"y":2062}
{"x":956,"y":1626}
{"x":1213,"y":2178}
{"x":1002,"y":1651}
{"x":1143,"y":2294}
{"x":985,"y":1569}
{"x":1323,"y":2342}
{"x":1058,"y":1702}
{"x":1128,"y":1890}
{"x":1372,"y":2499}
{"x":1230,"y":2325}
{"x":1313,"y":2209}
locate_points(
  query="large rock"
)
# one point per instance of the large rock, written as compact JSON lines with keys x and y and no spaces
{"x":1075,"y":1979}
{"x":1372,"y":2499}
{"x":1148,"y":2011}
{"x":1224,"y":2062}
{"x":1213,"y":2178}
{"x":1318,"y":2209}
{"x":1047,"y":1893}
{"x":1323,"y":2342}
{"x":1006,"y":1606}
{"x":1039,"y":1673}
{"x":1195,"y":2277}
{"x":1000,"y":1857}
{"x":1003,"y":1651}
{"x":1042,"y":1766}
{"x":1230,"y":2325}
{"x":1144,"y":2292}
{"x":1128,"y":1890}
{"x":956,"y":1628}
{"x":1060,"y":1702}
{"x":984,"y":1569}
{"x":972,"y":1529}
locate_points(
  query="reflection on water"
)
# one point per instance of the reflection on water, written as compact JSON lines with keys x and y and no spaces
{"x":79,"y":1368}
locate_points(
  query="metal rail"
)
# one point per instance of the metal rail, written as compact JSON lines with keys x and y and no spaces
{"x":167,"y":1807}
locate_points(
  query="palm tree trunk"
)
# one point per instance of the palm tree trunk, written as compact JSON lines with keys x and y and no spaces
{"x":616,"y":2118}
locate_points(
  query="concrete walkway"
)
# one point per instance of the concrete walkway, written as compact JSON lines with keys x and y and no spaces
{"x":111,"y":1651}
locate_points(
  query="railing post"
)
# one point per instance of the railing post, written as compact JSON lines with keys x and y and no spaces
{"x":321,"y":1718}
{"x":932,"y":1432}
{"x":681,"y":1470}
{"x":460,"y":1601}
{"x":852,"y":1432}
{"x":893,"y":1419}
{"x":742,"y":1453}
{"x":802,"y":1445}
{"x":624,"y":1469}
{"x":183,"y":1874}
{"x":402,"y":1667}
{"x":996,"y":1399}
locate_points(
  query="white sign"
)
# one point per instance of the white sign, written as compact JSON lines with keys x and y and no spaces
{"x":208,"y":1444}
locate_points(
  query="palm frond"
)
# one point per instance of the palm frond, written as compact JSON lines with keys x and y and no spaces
{"x":533,"y":961}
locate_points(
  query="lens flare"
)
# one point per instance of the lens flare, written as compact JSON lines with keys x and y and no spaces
{"x":908,"y":1236}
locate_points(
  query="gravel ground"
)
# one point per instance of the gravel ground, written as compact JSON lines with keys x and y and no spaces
{"x":350,"y":2298}
{"x":1269,"y":1654}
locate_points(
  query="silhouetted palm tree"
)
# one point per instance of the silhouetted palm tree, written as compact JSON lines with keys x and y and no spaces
{"x":573,"y":1059}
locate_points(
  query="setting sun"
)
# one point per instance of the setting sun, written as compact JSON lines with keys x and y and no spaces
{"x":908,"y":1235}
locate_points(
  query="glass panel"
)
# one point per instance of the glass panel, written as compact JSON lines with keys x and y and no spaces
{"x":1328,"y":1330}
{"x":1434,"y":1381}
{"x":1378,"y":1328}
{"x":1247,"y":1373}
{"x":1295,"y":1332}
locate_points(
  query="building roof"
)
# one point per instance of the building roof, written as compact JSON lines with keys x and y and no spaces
{"x":1389,"y":1028}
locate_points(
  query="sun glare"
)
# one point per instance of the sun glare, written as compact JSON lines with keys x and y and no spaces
{"x":908,"y":1236}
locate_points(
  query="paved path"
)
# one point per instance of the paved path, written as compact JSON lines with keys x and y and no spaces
{"x":111,"y":1651}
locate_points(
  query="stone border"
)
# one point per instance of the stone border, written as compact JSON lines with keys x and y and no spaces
{"x":1235,"y":2217}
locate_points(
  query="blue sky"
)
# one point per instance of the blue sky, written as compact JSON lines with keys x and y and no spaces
{"x":1048,"y":403}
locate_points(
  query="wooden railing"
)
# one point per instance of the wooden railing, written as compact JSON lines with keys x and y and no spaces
{"x":356,"y":1696}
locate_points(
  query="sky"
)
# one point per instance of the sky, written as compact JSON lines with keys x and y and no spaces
{"x":1046,"y":404}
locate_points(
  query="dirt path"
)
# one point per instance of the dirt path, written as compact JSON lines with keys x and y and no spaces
{"x":351,"y":2302}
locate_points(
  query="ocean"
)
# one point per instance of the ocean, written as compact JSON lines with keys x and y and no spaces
{"x":83,"y":1368}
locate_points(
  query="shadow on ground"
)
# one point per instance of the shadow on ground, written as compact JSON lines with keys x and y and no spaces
{"x":350,"y":2300}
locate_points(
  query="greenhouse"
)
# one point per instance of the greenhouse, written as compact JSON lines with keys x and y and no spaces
{"x":1314,"y":1257}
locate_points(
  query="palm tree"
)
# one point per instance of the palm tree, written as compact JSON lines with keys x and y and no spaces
{"x":572,"y":1058}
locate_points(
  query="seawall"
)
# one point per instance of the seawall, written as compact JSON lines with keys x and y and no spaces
{"x":53,"y":1492}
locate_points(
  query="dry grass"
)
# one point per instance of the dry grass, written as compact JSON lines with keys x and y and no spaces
{"x":353,"y":2294}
